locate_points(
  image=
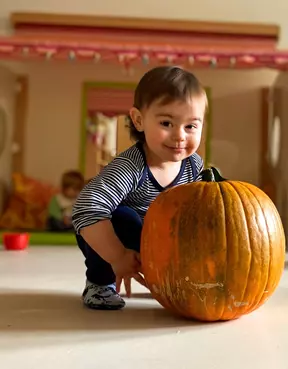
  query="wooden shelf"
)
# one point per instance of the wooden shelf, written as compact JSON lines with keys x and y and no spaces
{"x":51,"y":19}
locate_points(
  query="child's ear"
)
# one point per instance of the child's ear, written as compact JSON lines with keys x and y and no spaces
{"x":136,"y":118}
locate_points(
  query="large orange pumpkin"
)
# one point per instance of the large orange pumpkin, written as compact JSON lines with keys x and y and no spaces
{"x":212,"y":250}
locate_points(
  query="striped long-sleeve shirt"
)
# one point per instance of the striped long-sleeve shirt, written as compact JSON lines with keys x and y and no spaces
{"x":127,"y":180}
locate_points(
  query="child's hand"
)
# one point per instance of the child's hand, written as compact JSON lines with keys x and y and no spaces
{"x":127,"y":267}
{"x":127,"y":283}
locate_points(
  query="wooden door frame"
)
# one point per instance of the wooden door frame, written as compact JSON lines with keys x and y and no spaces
{"x":266,"y":173}
{"x":265,"y":92}
{"x":85,"y":90}
{"x":20,"y":123}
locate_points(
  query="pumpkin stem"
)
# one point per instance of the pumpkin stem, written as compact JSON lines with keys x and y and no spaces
{"x":211,"y":175}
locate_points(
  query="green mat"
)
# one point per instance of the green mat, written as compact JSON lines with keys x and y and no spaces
{"x":48,"y":238}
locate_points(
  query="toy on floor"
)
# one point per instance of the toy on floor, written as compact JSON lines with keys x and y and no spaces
{"x":224,"y":248}
{"x":15,"y":241}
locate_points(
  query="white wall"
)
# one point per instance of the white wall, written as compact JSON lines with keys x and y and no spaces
{"x":223,"y":10}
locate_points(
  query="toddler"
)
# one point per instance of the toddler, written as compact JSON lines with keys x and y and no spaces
{"x":60,"y":206}
{"x":166,"y":122}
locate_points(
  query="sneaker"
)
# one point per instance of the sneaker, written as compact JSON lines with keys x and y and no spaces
{"x":102,"y":297}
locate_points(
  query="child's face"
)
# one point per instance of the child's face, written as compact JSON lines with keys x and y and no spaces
{"x":173,"y":131}
{"x":71,"y":193}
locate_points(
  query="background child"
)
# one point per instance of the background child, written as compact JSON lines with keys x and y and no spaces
{"x":166,"y":121}
{"x":60,"y":206}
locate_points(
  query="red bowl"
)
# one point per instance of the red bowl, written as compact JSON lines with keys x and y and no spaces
{"x":16,"y":241}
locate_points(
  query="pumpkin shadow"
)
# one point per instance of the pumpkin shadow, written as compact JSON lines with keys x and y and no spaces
{"x":44,"y":311}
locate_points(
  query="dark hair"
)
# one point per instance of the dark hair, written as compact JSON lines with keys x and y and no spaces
{"x":72,"y":179}
{"x":167,"y":84}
